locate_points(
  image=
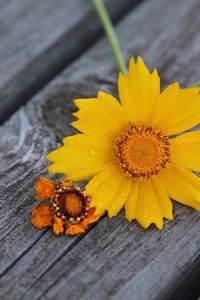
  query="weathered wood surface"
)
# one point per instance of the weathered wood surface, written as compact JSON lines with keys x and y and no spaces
{"x":114,"y":260}
{"x":39,"y":38}
{"x":4,"y":4}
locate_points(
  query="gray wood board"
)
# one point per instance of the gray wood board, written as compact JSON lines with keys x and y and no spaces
{"x":114,"y":260}
{"x":39,"y":38}
{"x":5,"y":3}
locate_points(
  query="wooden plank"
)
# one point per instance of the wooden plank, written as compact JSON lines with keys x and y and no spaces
{"x":115,"y":259}
{"x":5,"y":3}
{"x":119,"y":261}
{"x":39,"y":38}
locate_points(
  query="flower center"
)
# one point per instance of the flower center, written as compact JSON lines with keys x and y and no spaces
{"x":142,"y":151}
{"x":70,"y":204}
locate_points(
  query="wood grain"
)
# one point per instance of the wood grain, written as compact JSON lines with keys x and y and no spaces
{"x":4,"y":4}
{"x":114,"y":260}
{"x":38,"y":39}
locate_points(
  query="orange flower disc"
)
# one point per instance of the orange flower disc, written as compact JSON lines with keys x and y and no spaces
{"x":142,"y":151}
{"x":70,"y":204}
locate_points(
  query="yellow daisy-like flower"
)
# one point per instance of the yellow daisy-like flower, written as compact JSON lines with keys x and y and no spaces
{"x":127,"y":151}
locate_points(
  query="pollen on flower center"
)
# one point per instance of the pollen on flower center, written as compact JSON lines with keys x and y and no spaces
{"x":70,"y":204}
{"x":142,"y":151}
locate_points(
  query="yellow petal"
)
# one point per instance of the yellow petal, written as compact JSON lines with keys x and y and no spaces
{"x":160,"y":206}
{"x":163,"y":199}
{"x":185,"y":150}
{"x":138,"y":92}
{"x":104,"y":188}
{"x":80,"y":157}
{"x":182,"y":185}
{"x":148,"y":210}
{"x":114,"y":108}
{"x":120,"y":197}
{"x":102,"y":117}
{"x":180,"y":114}
{"x":154,"y":92}
{"x":163,"y":102}
{"x":131,"y":201}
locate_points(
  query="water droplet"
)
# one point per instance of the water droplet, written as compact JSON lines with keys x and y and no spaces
{"x":92,"y":152}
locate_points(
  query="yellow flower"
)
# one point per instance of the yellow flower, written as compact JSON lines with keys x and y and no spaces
{"x":68,"y":209}
{"x":127,"y":150}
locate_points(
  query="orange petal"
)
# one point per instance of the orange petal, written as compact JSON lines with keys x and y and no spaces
{"x":67,"y":182}
{"x":58,"y":226}
{"x":42,"y":216}
{"x":74,"y":229}
{"x":44,"y":188}
{"x":91,"y":217}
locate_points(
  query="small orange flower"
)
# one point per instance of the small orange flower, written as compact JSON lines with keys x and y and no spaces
{"x":68,"y":209}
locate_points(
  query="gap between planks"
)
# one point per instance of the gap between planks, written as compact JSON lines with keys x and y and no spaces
{"x":53,"y":55}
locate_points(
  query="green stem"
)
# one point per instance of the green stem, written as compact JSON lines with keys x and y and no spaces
{"x":108,"y":27}
{"x":196,"y":84}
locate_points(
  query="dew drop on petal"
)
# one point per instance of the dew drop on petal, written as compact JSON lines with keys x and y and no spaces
{"x":92,"y":152}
